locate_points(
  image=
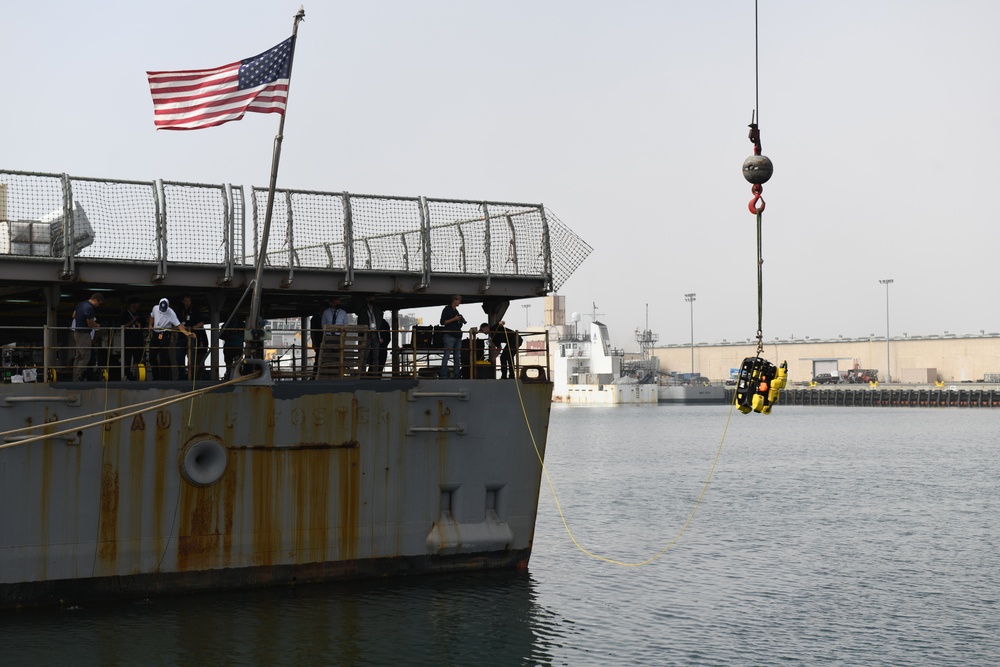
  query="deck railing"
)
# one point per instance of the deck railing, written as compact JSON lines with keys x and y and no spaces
{"x":343,"y":351}
{"x":169,"y":222}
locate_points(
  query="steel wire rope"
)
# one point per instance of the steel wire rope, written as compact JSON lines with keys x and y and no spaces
{"x":760,"y":287}
{"x":659,"y":554}
{"x":756,"y":64}
{"x":757,"y":205}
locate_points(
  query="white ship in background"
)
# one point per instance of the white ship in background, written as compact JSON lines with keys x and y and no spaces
{"x":588,"y":370}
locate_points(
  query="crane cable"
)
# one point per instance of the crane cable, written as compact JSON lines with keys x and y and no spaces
{"x":760,"y":287}
{"x":757,"y":170}
{"x":760,"y":382}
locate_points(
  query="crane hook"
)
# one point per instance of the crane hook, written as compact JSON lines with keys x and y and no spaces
{"x":756,"y":205}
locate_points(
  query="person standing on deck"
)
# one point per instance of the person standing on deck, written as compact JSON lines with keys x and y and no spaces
{"x":85,"y":328}
{"x":384,"y":339}
{"x":163,"y":322}
{"x":507,"y":341}
{"x":369,"y":317}
{"x":191,"y":357}
{"x":233,"y":338}
{"x":132,"y":323}
{"x":452,"y":322}
{"x":333,"y":315}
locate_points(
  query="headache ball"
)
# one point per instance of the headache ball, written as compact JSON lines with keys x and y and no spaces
{"x":757,"y":169}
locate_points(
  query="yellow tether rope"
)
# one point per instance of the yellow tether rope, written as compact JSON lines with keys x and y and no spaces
{"x":562,"y":516}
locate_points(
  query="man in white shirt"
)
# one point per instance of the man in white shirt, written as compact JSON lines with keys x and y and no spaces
{"x":163,"y":321}
{"x":335,"y":315}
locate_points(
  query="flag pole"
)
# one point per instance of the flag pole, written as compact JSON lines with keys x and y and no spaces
{"x":255,"y":344}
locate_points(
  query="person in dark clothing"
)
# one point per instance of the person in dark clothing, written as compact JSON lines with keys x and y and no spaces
{"x":507,"y":341}
{"x":192,"y":355}
{"x":369,"y":317}
{"x":132,"y":322}
{"x":473,"y":351}
{"x":85,"y":330}
{"x":384,"y":338}
{"x":451,"y":322}
{"x":232,"y":337}
{"x":316,"y":329}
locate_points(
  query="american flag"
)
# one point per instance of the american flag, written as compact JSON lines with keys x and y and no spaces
{"x":193,"y":99}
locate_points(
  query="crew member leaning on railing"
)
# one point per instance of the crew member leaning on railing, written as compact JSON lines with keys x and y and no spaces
{"x":507,"y":341}
{"x":163,"y":322}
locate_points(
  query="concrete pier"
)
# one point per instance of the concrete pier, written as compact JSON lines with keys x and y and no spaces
{"x":898,"y":396}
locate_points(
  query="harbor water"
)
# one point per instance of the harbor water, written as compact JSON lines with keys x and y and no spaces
{"x":849,"y":536}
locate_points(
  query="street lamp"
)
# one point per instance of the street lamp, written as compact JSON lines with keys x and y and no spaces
{"x":887,"y":282}
{"x":690,"y":299}
{"x":526,"y":306}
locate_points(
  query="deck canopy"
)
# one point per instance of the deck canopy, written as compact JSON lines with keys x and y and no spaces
{"x":62,"y":237}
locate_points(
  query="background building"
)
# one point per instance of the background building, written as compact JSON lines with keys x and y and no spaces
{"x":913,"y":359}
{"x":952,"y":358}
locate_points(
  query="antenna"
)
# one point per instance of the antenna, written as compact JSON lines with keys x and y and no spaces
{"x":594,"y":314}
{"x":646,"y":339}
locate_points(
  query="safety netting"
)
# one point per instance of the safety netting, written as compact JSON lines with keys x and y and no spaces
{"x":175,"y":222}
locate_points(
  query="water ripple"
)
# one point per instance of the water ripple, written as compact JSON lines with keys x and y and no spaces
{"x":827,"y":537}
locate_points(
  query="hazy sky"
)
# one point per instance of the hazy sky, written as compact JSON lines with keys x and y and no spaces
{"x":627,"y":119}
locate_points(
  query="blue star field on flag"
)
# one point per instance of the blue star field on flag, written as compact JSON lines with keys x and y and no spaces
{"x":269,"y":66}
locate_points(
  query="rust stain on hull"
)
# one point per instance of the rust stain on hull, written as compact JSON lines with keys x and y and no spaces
{"x":229,"y":483}
{"x":108,"y":531}
{"x":200,"y":527}
{"x":206,"y":515}
{"x":161,"y":498}
{"x":348,"y":503}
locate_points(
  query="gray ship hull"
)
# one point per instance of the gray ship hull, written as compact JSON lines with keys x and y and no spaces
{"x":264,"y":483}
{"x":315,"y":444}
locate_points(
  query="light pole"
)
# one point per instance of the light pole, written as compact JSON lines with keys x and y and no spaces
{"x":526,"y":306}
{"x":690,"y":299}
{"x":887,"y":282}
